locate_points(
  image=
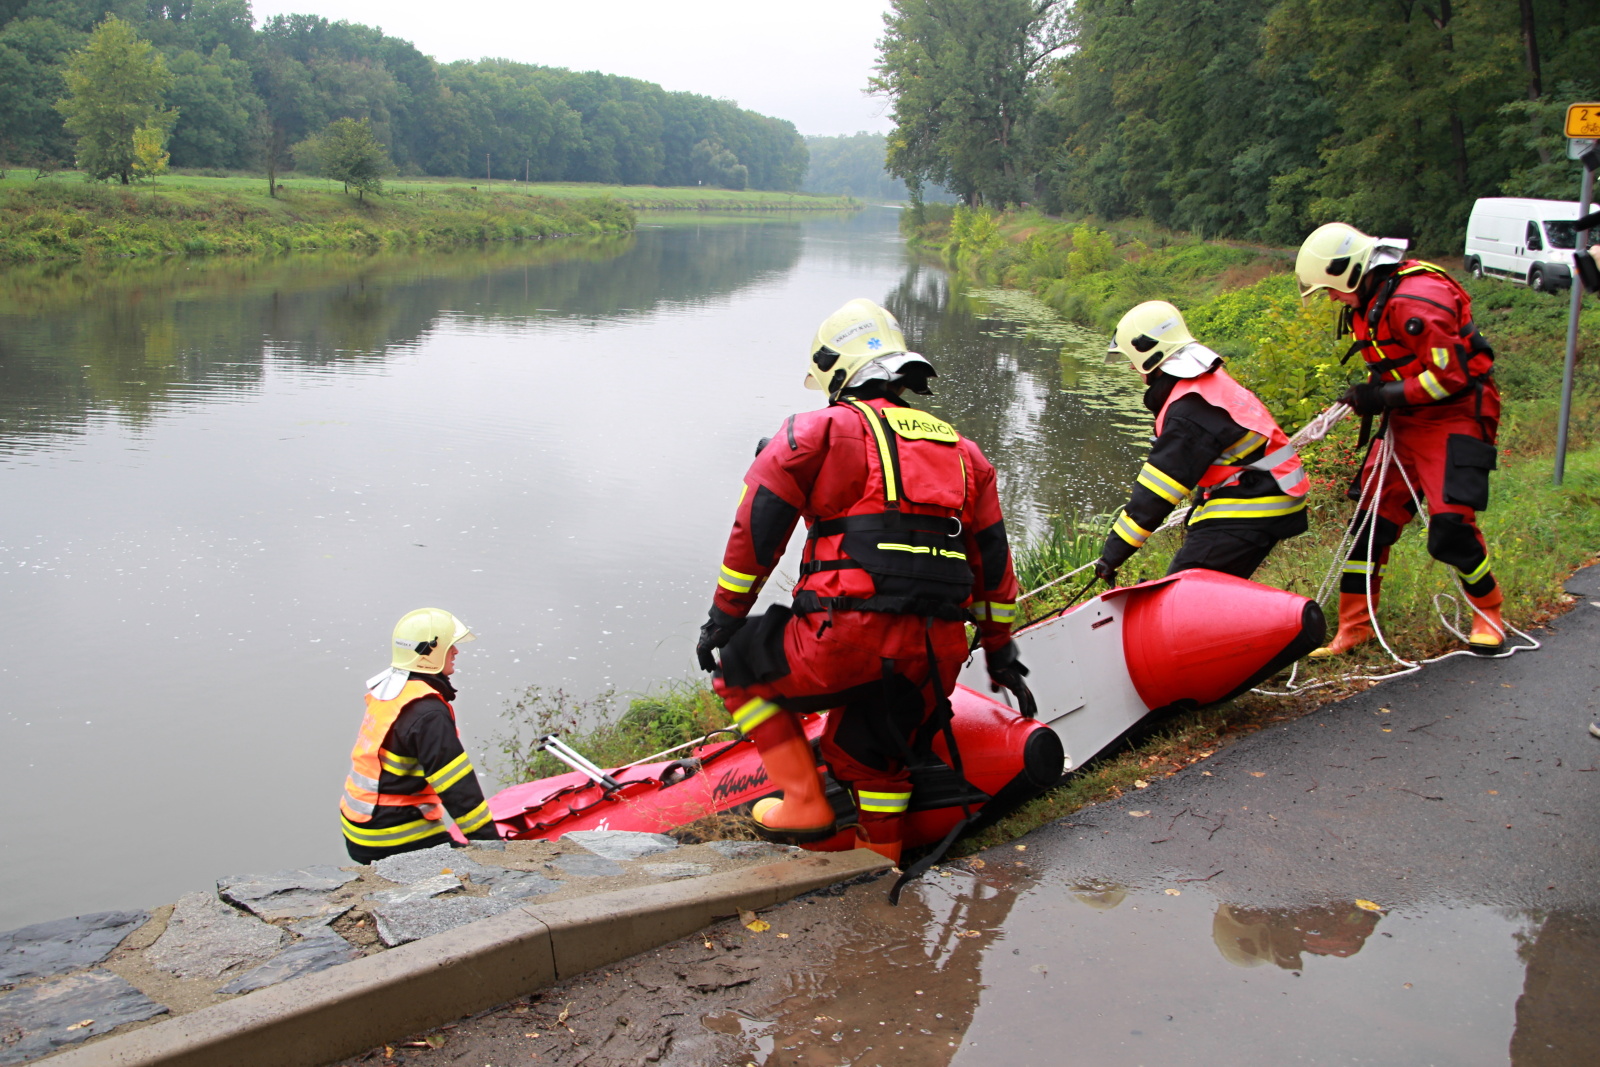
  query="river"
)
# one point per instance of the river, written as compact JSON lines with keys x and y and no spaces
{"x":225,"y":480}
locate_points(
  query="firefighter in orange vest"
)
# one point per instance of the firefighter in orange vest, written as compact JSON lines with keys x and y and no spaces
{"x":905,"y":543}
{"x":1213,"y":438}
{"x":1431,"y":378}
{"x":408,"y":767}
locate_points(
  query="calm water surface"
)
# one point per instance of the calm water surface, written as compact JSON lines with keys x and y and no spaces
{"x":223,"y":482}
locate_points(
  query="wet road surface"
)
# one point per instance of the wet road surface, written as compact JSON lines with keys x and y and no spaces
{"x":1403,"y":877}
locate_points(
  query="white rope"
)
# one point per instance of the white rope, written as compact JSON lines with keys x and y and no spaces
{"x":1371,"y":492}
{"x":1056,"y":581}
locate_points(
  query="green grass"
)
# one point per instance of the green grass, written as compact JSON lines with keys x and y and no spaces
{"x":63,"y":218}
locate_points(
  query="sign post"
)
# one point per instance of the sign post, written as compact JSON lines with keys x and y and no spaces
{"x":1583,"y":133}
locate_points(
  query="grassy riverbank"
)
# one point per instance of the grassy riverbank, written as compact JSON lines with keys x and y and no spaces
{"x":1241,"y":300}
{"x":71,"y":220}
{"x":65,"y":218}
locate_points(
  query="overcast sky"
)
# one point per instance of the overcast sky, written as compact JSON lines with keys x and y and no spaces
{"x":805,"y":62}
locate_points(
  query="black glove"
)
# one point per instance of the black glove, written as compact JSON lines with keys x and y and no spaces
{"x":717,"y":632}
{"x":1373,"y":398}
{"x":1105,"y":571}
{"x":1007,"y":669}
{"x":1588,"y":273}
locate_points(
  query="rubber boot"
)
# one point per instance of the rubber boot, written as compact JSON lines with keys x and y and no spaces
{"x":887,"y":843}
{"x":1355,"y":625}
{"x":1488,"y":637}
{"x":803,"y":812}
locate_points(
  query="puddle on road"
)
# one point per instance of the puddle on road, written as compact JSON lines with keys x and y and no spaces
{"x":993,"y":969}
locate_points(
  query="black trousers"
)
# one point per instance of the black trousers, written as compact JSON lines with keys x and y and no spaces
{"x":1232,"y":550}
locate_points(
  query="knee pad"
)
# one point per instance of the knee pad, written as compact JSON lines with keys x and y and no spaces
{"x":1386,"y":534}
{"x":1451,"y":540}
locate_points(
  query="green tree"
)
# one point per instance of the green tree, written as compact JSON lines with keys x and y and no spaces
{"x":961,"y":76}
{"x":149,"y":151}
{"x":212,"y":95}
{"x":115,"y":85}
{"x":33,"y":54}
{"x":347,"y":152}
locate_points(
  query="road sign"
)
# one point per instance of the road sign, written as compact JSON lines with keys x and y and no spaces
{"x":1583,"y":120}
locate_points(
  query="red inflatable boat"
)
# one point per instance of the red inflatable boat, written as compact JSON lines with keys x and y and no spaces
{"x":1190,"y":639}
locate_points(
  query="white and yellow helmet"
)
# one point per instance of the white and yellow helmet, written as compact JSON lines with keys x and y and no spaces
{"x":1336,"y":256}
{"x":423,"y":637}
{"x":859,"y":334}
{"x":1154,"y":336}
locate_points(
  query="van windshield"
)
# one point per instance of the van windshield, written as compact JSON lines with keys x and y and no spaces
{"x":1562,"y":234}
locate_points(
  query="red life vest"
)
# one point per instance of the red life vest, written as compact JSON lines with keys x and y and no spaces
{"x":1392,"y":356}
{"x":369,"y":759}
{"x":1218,"y":388}
{"x":905,"y":529}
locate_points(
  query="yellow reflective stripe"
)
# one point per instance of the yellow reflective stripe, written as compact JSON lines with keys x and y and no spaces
{"x":744,"y":488}
{"x":1441,"y":357}
{"x":1358,"y":566}
{"x":1000,"y":610}
{"x":888,"y":803}
{"x":735,"y":581}
{"x":403,"y":834}
{"x":891,"y":491}
{"x":398,"y":765}
{"x":1162,"y":485}
{"x":1477,"y":573}
{"x":450,"y":773}
{"x":1260,"y":507}
{"x":1130,"y":531}
{"x":1243,"y":446}
{"x":980,"y":610}
{"x":362,"y":781}
{"x":753,"y":713}
{"x":924,"y":550}
{"x":474,"y":819}
{"x":1431,"y":384}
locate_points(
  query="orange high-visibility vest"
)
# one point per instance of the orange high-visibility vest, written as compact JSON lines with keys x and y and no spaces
{"x":369,"y":759}
{"x":1218,"y":388}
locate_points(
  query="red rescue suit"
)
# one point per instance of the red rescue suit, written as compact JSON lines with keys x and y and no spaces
{"x":905,"y":542}
{"x":1436,"y":373}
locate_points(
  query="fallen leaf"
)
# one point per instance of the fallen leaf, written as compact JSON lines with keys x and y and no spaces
{"x":1387,"y":730}
{"x":1494,"y":792}
{"x":1205,"y":774}
{"x":783,"y":937}
{"x":752,"y":923}
{"x":530,"y":1035}
{"x":435,"y":1040}
{"x":1022,"y":848}
{"x":1367,"y":905}
{"x":1408,"y":985}
{"x":1385,"y":710}
{"x":1138,"y":814}
{"x":975,"y":863}
{"x":1140,"y":783}
{"x":446,"y":870}
{"x":80,"y":1026}
{"x":970,"y":933}
{"x":1258,"y":774}
{"x":1174,"y":892}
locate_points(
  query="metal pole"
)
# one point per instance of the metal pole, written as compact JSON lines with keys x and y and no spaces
{"x":1572,"y":326}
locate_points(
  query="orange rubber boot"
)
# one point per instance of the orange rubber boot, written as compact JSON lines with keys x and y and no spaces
{"x":1488,"y":637}
{"x":804,"y":812}
{"x":888,"y":849}
{"x":1355,"y":625}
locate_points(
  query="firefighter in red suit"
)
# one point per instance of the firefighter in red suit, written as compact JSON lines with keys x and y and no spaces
{"x":1431,"y":380}
{"x":905,"y":543}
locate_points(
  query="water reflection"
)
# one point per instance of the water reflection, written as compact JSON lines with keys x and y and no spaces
{"x":85,"y":340}
{"x":1057,"y":450}
{"x":1249,"y":937}
{"x":1558,"y":1013}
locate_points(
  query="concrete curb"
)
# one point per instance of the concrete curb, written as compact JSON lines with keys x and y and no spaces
{"x":349,"y":1008}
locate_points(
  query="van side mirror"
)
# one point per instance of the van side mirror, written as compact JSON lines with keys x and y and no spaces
{"x":1535,"y":240}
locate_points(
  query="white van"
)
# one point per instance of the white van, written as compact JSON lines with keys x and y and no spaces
{"x":1522,"y":240}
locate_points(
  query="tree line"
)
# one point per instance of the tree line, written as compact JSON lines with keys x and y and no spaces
{"x":1255,"y":119}
{"x":240,"y":96}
